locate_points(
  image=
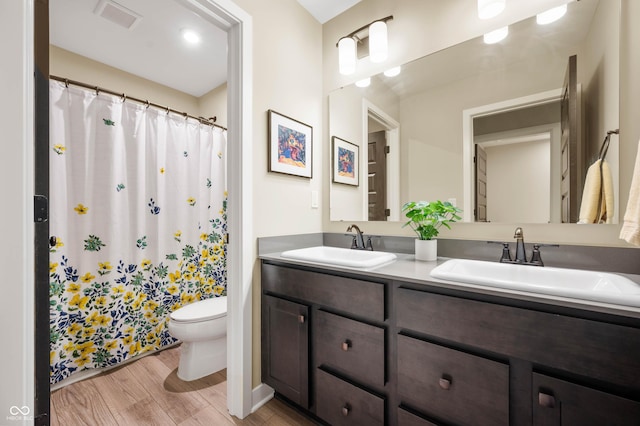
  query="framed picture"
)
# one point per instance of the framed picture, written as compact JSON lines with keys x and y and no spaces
{"x":346,"y":161}
{"x":290,"y":146}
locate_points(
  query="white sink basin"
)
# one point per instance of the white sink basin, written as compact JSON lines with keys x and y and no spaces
{"x":340,"y":256}
{"x":572,"y":283}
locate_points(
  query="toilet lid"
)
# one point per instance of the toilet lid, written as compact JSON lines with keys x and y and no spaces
{"x":202,"y":310}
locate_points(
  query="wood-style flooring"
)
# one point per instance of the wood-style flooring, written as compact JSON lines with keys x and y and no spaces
{"x":148,"y":392}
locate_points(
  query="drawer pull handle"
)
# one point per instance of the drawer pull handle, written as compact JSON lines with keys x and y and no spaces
{"x":445,"y":383}
{"x":546,"y":400}
{"x":346,"y":345}
{"x":301,"y":319}
{"x":346,"y":409}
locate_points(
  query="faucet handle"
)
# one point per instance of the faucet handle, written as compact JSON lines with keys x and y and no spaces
{"x":536,"y":260}
{"x":506,"y":254}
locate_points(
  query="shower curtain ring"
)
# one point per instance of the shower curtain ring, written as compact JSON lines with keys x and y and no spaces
{"x":147,"y":104}
{"x":168,"y":110}
{"x":66,"y":83}
{"x":124,"y":97}
{"x":97,"y":90}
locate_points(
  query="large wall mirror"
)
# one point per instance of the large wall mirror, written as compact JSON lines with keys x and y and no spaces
{"x":506,"y":131}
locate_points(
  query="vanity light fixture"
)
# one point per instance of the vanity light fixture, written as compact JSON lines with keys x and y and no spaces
{"x":551,"y":15}
{"x":496,"y":35}
{"x":190,"y":36}
{"x":392,"y":72}
{"x":490,"y":8}
{"x":372,"y":36}
{"x":365,"y":82}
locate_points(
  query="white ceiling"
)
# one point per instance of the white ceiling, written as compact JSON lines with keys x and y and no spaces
{"x":325,"y":10}
{"x":153,"y":48}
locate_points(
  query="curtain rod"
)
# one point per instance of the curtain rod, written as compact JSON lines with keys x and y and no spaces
{"x":202,"y":120}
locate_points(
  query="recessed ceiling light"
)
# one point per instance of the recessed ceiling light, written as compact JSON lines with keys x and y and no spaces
{"x":551,"y":15}
{"x":496,"y":35}
{"x":365,"y":82}
{"x":392,"y":72}
{"x":190,"y":36}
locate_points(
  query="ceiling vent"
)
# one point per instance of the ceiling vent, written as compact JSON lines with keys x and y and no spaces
{"x":117,"y":14}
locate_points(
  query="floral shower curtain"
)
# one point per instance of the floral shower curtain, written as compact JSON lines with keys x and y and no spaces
{"x":138,"y":206}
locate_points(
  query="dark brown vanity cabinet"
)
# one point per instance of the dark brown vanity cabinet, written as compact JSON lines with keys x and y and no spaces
{"x":360,"y":350}
{"x":324,"y":343}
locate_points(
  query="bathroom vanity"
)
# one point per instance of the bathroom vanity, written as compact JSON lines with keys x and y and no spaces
{"x":391,"y":346}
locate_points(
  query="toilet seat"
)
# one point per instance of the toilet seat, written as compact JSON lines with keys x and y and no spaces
{"x":202,"y":310}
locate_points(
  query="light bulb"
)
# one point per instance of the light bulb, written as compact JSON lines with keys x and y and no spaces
{"x":551,"y":15}
{"x":190,"y":36}
{"x":490,"y":8}
{"x":392,"y":72}
{"x":496,"y":35}
{"x":347,"y":56}
{"x":365,"y":82}
{"x":378,"y":44}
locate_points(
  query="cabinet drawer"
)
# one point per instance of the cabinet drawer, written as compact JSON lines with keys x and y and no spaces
{"x":452,"y":385}
{"x":594,"y":349}
{"x":340,"y":403}
{"x":556,"y":402}
{"x":360,"y":298}
{"x":351,"y":347}
{"x":406,"y":418}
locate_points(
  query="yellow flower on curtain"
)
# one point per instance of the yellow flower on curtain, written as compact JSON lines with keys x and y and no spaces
{"x":84,"y":359}
{"x":145,"y":264}
{"x":117,"y":290}
{"x":172,"y":289}
{"x":174,"y":276}
{"x":87,"y":278}
{"x":104,"y":267}
{"x":73,"y":287}
{"x":80,"y":209}
{"x":101,"y":301}
{"x":191,"y":201}
{"x":78,"y":302}
{"x":74,"y":328}
{"x":111,"y":345}
{"x":52,"y":267}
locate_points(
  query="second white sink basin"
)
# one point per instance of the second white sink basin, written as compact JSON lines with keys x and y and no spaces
{"x":340,"y":256}
{"x":573,"y":283}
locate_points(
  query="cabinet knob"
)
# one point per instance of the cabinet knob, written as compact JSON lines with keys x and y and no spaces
{"x":346,"y":409}
{"x":346,"y":345}
{"x":445,"y":383}
{"x":301,"y":319}
{"x":546,"y":400}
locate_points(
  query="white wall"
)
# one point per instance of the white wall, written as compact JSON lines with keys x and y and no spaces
{"x":287,"y":78}
{"x":515,"y":196}
{"x":16,"y":227}
{"x":214,"y":103}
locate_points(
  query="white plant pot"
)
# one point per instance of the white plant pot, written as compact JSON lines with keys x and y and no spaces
{"x":426,"y":250}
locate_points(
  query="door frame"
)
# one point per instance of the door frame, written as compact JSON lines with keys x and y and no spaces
{"x":393,"y":159}
{"x":228,"y":16}
{"x":468,"y":115}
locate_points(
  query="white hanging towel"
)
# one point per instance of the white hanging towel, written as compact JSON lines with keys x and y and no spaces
{"x":597,"y":194}
{"x":630,"y":231}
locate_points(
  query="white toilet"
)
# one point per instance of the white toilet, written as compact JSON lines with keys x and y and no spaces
{"x":202,"y":328}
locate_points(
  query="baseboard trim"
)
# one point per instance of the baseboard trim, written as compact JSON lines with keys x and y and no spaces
{"x":260,"y":395}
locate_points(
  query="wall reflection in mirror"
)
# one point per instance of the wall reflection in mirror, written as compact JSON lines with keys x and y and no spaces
{"x":505,"y":131}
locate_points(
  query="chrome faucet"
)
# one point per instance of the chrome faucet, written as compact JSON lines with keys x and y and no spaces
{"x":521,"y":254}
{"x":358,"y":239}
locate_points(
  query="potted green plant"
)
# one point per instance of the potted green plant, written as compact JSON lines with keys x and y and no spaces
{"x":426,"y":218}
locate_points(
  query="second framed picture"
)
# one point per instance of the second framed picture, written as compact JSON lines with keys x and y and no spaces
{"x":346,"y":161}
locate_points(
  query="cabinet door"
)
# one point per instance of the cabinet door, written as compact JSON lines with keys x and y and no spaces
{"x":557,"y":402}
{"x":285,"y":348}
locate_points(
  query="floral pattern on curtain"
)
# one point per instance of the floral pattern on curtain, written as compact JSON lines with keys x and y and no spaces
{"x":138,"y":206}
